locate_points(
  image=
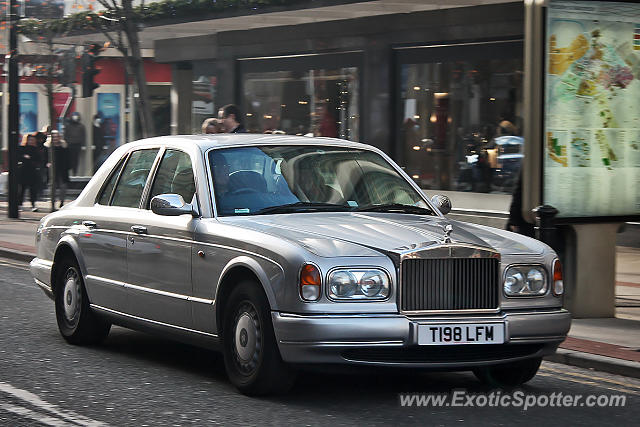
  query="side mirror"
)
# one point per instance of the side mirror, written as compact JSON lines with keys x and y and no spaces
{"x":171,"y":205}
{"x":443,"y":203}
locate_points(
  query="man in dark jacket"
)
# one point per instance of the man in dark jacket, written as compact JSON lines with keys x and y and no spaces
{"x":76,"y":137}
{"x":516,"y":222}
{"x":230,"y":118}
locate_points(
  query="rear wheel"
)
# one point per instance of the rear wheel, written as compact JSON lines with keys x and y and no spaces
{"x":251,"y":356}
{"x":76,"y":322}
{"x":511,"y":374}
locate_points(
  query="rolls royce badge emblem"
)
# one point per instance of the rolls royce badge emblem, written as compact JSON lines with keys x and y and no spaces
{"x":447,"y":233}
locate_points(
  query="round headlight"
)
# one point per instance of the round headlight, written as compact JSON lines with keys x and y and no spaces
{"x":514,"y":283}
{"x":343,"y":284}
{"x":371,"y":283}
{"x":535,"y":279}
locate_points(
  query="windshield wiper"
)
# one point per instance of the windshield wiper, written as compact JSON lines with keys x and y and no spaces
{"x":395,"y":207}
{"x":301,"y":207}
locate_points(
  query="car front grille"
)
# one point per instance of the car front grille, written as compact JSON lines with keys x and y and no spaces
{"x":449,"y":284}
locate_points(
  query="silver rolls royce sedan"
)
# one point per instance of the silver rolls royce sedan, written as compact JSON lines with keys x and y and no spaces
{"x":282,"y":250}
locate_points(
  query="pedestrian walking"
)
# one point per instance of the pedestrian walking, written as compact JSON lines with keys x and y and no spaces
{"x":29,"y":169}
{"x":60,"y":156}
{"x":98,"y":141}
{"x":41,"y":138}
{"x":230,"y":118}
{"x":76,"y":137}
{"x":516,"y":222}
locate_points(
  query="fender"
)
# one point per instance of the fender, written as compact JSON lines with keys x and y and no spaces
{"x":258,"y":270}
{"x":69,"y":241}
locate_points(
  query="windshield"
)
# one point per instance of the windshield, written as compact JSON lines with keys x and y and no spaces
{"x":285,"y":179}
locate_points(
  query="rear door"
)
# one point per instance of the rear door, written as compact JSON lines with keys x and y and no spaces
{"x":103,"y":240}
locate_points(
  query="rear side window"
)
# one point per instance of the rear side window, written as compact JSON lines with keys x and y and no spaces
{"x":174,"y":176}
{"x":108,"y":189}
{"x":133,"y":178}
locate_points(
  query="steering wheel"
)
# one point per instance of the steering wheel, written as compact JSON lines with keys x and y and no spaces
{"x":243,"y":190}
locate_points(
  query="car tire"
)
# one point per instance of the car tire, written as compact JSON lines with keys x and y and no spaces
{"x":511,"y":374}
{"x":251,"y":356}
{"x":77,"y":323}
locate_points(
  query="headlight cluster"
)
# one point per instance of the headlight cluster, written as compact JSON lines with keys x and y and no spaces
{"x":525,"y":280}
{"x":358,"y":284}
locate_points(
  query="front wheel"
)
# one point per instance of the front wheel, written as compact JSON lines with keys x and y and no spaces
{"x":251,"y":355}
{"x":511,"y":374}
{"x":76,"y":322}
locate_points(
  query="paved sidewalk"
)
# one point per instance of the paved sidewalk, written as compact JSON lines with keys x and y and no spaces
{"x":611,"y":345}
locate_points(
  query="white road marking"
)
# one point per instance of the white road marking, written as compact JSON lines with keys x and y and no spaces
{"x":28,"y":413}
{"x":585,"y":382}
{"x":16,"y":264}
{"x":34,"y":400}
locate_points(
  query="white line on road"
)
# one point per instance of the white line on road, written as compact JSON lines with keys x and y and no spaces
{"x":28,"y":413}
{"x":21,"y":266}
{"x":34,"y":400}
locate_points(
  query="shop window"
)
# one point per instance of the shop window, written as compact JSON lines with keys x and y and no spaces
{"x":203,"y":95}
{"x":461,"y":118}
{"x":318,"y":102}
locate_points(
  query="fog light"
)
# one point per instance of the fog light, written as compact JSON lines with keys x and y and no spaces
{"x":310,"y":283}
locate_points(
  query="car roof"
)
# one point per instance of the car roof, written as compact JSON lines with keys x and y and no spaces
{"x":226,"y":140}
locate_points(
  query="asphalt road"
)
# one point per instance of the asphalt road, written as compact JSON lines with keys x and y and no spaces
{"x":139,"y":379}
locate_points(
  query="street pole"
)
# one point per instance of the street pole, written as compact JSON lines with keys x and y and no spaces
{"x":12,"y":59}
{"x":127,"y":105}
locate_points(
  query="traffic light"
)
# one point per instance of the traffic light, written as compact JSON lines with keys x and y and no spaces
{"x":67,"y":74}
{"x":89,"y":70}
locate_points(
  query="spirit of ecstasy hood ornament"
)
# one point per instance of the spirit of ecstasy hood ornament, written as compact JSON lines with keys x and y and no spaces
{"x":448,"y":228}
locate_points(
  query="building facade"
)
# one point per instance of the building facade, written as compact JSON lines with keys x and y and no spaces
{"x":109,"y":103}
{"x":440,"y":91}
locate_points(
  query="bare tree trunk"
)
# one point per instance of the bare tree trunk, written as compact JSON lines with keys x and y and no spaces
{"x":137,"y":65}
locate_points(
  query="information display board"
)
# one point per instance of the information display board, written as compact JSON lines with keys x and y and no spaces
{"x":591,"y":155}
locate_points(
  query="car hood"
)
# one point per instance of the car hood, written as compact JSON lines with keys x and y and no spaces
{"x":359,"y":234}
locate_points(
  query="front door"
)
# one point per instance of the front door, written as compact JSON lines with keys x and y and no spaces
{"x":159,"y":248}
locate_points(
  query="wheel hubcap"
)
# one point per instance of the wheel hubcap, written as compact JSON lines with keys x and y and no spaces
{"x":71,"y":296}
{"x":247,"y":338}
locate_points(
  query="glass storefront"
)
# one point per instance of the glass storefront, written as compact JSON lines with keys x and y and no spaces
{"x":313,"y":100}
{"x":460,"y":115}
{"x":203,"y":95}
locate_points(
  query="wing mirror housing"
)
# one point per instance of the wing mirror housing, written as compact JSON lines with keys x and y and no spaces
{"x":443,"y":203}
{"x":172,"y":205}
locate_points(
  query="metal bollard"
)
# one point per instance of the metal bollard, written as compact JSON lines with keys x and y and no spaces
{"x":545,"y":228}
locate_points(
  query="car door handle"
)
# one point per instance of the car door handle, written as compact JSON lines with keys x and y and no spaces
{"x":139,"y":229}
{"x":89,"y":224}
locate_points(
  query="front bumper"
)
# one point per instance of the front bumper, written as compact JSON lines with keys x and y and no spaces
{"x":41,"y":272}
{"x":391,"y":339}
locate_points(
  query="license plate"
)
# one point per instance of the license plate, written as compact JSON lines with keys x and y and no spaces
{"x":461,"y":333}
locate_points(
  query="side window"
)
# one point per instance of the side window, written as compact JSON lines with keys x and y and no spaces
{"x":108,"y":189}
{"x":174,"y":176}
{"x":133,"y":178}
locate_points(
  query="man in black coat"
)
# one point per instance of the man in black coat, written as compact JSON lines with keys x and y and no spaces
{"x":516,"y":222}
{"x":76,"y":137}
{"x":230,"y":118}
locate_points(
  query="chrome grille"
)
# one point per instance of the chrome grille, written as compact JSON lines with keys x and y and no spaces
{"x":449,"y":284}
